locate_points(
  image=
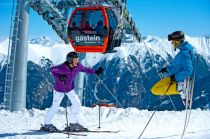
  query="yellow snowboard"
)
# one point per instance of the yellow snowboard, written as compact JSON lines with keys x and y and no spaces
{"x":162,"y":86}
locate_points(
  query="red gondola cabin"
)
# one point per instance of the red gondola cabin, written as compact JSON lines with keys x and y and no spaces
{"x":91,"y":29}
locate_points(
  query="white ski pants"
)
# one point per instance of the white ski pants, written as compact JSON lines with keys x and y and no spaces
{"x":57,"y":98}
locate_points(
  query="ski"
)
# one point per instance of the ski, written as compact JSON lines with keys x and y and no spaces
{"x":188,"y":104}
{"x":190,"y":98}
{"x":93,"y":131}
{"x":82,"y":133}
{"x":186,"y":107}
{"x":100,"y":131}
{"x":60,"y":131}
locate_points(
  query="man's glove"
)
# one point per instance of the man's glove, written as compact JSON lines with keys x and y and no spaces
{"x":99,"y":71}
{"x":172,"y":77}
{"x":62,"y":77}
{"x":163,"y":70}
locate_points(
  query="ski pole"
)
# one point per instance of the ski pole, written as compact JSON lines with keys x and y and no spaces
{"x":67,"y":122}
{"x":159,"y":74}
{"x":154,"y":111}
{"x":99,"y":117}
{"x":109,"y":91}
{"x":161,"y":77}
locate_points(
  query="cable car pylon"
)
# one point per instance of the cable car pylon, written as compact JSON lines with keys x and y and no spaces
{"x":53,"y":15}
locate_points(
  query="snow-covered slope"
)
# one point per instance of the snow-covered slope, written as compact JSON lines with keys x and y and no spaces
{"x":130,"y":122}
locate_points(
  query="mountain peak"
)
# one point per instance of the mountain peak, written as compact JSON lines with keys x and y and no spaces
{"x":42,"y":40}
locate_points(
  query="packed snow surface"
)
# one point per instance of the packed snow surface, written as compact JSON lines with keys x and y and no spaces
{"x":130,"y":122}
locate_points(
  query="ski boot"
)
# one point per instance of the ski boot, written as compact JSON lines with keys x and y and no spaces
{"x":49,"y":127}
{"x":76,"y":127}
{"x":183,"y":96}
{"x":186,"y":103}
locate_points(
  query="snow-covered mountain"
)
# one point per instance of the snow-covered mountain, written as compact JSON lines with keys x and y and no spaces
{"x":42,"y":40}
{"x":129,"y":73}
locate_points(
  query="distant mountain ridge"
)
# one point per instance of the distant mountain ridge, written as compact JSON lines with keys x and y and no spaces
{"x":42,"y":40}
{"x":129,"y":73}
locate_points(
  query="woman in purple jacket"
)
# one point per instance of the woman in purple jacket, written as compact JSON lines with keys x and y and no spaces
{"x":64,"y":75}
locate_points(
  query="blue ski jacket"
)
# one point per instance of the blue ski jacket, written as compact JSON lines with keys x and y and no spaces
{"x":182,"y":66}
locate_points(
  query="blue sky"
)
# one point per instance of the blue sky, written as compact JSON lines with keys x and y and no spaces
{"x":153,"y":17}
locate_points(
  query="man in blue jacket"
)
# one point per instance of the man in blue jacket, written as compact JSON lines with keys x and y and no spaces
{"x":64,"y":75}
{"x":181,"y":67}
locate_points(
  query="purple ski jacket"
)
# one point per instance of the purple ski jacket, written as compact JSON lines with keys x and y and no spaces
{"x":68,"y":84}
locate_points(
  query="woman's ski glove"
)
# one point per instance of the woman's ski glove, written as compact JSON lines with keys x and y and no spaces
{"x":99,"y":71}
{"x":163,"y":70}
{"x":62,"y":77}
